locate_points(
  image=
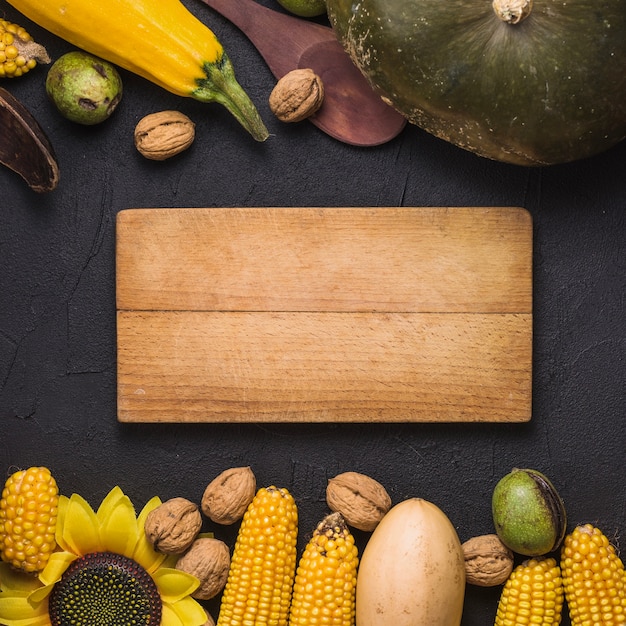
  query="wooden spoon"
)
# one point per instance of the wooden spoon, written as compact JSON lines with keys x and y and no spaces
{"x":352,"y":112}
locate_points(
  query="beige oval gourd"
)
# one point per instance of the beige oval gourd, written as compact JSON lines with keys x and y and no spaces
{"x":412,"y":570}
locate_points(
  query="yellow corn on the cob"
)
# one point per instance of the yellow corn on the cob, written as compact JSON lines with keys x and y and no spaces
{"x":533,"y":594}
{"x":594,"y":578}
{"x":18,"y":52}
{"x":324,"y":592}
{"x":28,"y":514}
{"x":263,"y":564}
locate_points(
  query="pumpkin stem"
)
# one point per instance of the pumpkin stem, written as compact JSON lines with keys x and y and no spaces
{"x":512,"y":11}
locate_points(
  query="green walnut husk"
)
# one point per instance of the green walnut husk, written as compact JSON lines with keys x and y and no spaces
{"x":528,"y":513}
{"x":84,"y":88}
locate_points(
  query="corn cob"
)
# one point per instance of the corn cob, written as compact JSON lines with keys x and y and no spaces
{"x":324,"y":591}
{"x":28,"y":513}
{"x":533,"y":594}
{"x":262,"y":569}
{"x":594,"y":578}
{"x":18,"y":52}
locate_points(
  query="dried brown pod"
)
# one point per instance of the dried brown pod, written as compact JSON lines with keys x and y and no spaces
{"x":25,"y":147}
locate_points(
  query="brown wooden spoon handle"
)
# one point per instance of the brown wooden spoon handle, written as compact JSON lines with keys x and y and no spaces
{"x":280,"y":38}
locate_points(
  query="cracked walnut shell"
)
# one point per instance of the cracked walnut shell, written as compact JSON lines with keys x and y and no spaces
{"x":172,"y":527}
{"x":297,"y":95}
{"x":227,"y":496}
{"x":488,"y":562}
{"x":361,"y":500}
{"x":162,"y":135}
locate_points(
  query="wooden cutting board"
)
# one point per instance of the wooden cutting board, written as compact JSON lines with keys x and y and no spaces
{"x":324,"y":314}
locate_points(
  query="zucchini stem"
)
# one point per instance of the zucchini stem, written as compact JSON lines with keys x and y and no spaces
{"x":220,"y":85}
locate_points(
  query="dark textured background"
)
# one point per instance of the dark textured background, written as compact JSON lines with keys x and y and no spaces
{"x":57,"y":311}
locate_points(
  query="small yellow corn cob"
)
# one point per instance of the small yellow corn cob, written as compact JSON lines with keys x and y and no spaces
{"x":28,"y":514}
{"x":533,"y":594}
{"x":18,"y":52}
{"x":594,"y":578}
{"x":262,"y":569}
{"x":324,"y":592}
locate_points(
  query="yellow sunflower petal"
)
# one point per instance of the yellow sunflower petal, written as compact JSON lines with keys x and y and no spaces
{"x":174,"y":584}
{"x":144,"y":553}
{"x":152,"y":504}
{"x":13,"y":580}
{"x":37,"y":620}
{"x":80,"y":531}
{"x":16,"y":609}
{"x":170,"y":618}
{"x":61,"y":511}
{"x":189,"y":612}
{"x":111,"y":500}
{"x":56,"y":566}
{"x":118,"y":526}
{"x":116,"y":494}
{"x":38,"y":596}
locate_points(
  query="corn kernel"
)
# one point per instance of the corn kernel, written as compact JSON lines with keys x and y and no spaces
{"x":533,"y":594}
{"x":18,"y":52}
{"x":28,"y":524}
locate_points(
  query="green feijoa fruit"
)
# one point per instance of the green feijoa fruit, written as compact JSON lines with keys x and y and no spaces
{"x":528,"y":513}
{"x":84,"y":88}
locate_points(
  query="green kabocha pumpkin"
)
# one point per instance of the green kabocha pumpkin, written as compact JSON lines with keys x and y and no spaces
{"x":529,"y":83}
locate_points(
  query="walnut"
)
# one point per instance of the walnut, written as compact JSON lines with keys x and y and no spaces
{"x":209,"y":619}
{"x":208,"y":560}
{"x":488,"y":562}
{"x":297,"y":95}
{"x":173,"y":525}
{"x":227,"y":496}
{"x":360,"y":499}
{"x":161,"y":135}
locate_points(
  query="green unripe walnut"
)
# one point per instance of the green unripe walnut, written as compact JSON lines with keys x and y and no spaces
{"x":84,"y":88}
{"x":528,"y":513}
{"x":304,"y":8}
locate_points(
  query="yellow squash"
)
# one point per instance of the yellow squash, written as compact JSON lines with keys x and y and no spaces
{"x":412,"y":570}
{"x":159,"y":40}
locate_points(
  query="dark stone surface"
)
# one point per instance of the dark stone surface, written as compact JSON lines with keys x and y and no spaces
{"x":57,"y":312}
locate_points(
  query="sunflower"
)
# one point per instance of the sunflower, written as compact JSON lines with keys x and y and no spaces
{"x":105,"y":573}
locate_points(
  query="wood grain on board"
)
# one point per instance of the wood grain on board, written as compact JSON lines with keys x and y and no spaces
{"x":324,"y":314}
